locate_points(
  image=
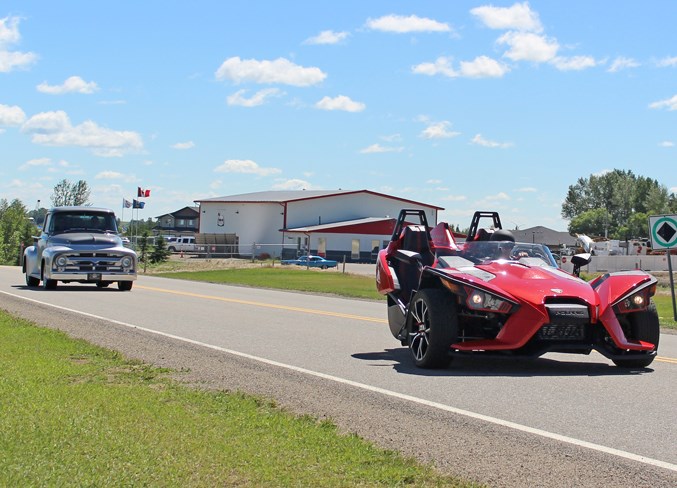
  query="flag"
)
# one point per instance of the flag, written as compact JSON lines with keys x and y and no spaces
{"x":141,"y":193}
{"x":138,"y":204}
{"x":126,"y":203}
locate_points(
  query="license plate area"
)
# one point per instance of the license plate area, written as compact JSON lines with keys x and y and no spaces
{"x":93,"y":276}
{"x":562,"y":332}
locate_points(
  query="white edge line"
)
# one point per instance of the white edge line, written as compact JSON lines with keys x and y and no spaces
{"x":390,"y":393}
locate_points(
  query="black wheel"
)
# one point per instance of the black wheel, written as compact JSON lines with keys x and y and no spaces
{"x":324,"y":266}
{"x":432,"y":326}
{"x":49,"y":284}
{"x":125,"y":285}
{"x":31,"y":281}
{"x":171,"y":249}
{"x":644,"y":326}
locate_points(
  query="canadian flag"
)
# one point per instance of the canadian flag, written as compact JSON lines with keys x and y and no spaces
{"x":142,"y":193}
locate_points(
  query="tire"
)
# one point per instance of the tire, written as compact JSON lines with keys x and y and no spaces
{"x":49,"y":284}
{"x":171,"y":249}
{"x":31,"y":281}
{"x":125,"y":285}
{"x":644,"y":326}
{"x":432,"y":326}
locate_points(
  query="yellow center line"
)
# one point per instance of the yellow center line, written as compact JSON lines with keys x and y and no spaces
{"x":665,"y":360}
{"x":303,"y":310}
{"x":266,"y":305}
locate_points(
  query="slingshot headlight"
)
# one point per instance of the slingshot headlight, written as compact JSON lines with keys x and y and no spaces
{"x":481,"y":300}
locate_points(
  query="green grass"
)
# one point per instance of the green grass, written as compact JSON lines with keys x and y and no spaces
{"x":72,"y":414}
{"x":666,"y":315}
{"x":283,"y":278}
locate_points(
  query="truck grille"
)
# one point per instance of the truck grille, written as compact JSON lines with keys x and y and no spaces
{"x":93,"y":263}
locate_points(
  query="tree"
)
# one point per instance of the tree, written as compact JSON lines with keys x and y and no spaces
{"x":67,"y":193}
{"x":613,"y":204}
{"x":159,"y":254}
{"x":16,"y":231}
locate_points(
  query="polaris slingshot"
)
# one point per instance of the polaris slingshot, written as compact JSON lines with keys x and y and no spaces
{"x":493,"y":295}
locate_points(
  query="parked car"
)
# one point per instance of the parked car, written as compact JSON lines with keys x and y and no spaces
{"x":492,"y":295}
{"x":79,"y":244}
{"x":182,"y":243}
{"x":312,"y":262}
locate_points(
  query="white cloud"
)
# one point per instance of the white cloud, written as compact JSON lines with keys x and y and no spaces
{"x":527,"y":189}
{"x":36,"y":163}
{"x":454,"y":198}
{"x":377,"y":148}
{"x":400,"y":24}
{"x":215,"y":184}
{"x":183,"y":145}
{"x":667,"y":144}
{"x":439,"y":130}
{"x":280,"y":70}
{"x":292,"y":184}
{"x":574,"y":63}
{"x":340,"y":102}
{"x":483,"y":67}
{"x":621,"y":63}
{"x":327,"y":37}
{"x":670,"y":104}
{"x":9,"y":31}
{"x":526,"y":46}
{"x":259,"y":98}
{"x":441,"y":66}
{"x":502,"y":196}
{"x":55,"y":129}
{"x":114,"y":175}
{"x":434,"y":182}
{"x":481,"y":141}
{"x":518,"y":17}
{"x":9,"y":35}
{"x":11,"y":115}
{"x":246,"y":166}
{"x":667,"y":62}
{"x":74,"y":84}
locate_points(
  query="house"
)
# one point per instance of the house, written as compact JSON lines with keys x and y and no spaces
{"x":181,"y":222}
{"x":338,"y":224}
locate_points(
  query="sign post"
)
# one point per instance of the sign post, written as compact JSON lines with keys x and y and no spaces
{"x":663,"y":234}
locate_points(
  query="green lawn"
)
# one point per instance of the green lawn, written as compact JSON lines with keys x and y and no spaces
{"x":72,"y":414}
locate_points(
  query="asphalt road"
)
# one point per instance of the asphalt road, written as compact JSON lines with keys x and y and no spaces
{"x":561,"y":420}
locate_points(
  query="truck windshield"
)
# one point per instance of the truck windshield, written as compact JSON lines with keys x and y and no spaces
{"x":83,"y":222}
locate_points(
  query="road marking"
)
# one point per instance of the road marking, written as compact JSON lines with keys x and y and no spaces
{"x":267,"y":305}
{"x":375,"y":389}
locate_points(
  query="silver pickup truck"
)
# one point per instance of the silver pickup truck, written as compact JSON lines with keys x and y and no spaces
{"x":79,"y":244}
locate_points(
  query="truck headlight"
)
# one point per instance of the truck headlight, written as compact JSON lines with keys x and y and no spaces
{"x":61,"y":261}
{"x":127,"y":262}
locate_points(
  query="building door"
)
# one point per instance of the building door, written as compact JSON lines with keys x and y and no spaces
{"x":355,"y":249}
{"x":322,"y":246}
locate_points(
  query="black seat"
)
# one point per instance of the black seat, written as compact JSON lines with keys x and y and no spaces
{"x":415,"y":238}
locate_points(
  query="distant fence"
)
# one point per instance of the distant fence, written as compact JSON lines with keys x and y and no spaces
{"x":622,"y":263}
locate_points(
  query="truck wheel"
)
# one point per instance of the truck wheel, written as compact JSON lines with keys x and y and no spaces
{"x":644,"y":326}
{"x":125,"y":285}
{"x":171,"y":249}
{"x":49,"y":284}
{"x":432,"y":326}
{"x":31,"y":281}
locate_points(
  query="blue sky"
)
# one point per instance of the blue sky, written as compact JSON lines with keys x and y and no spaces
{"x":464,"y":105}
